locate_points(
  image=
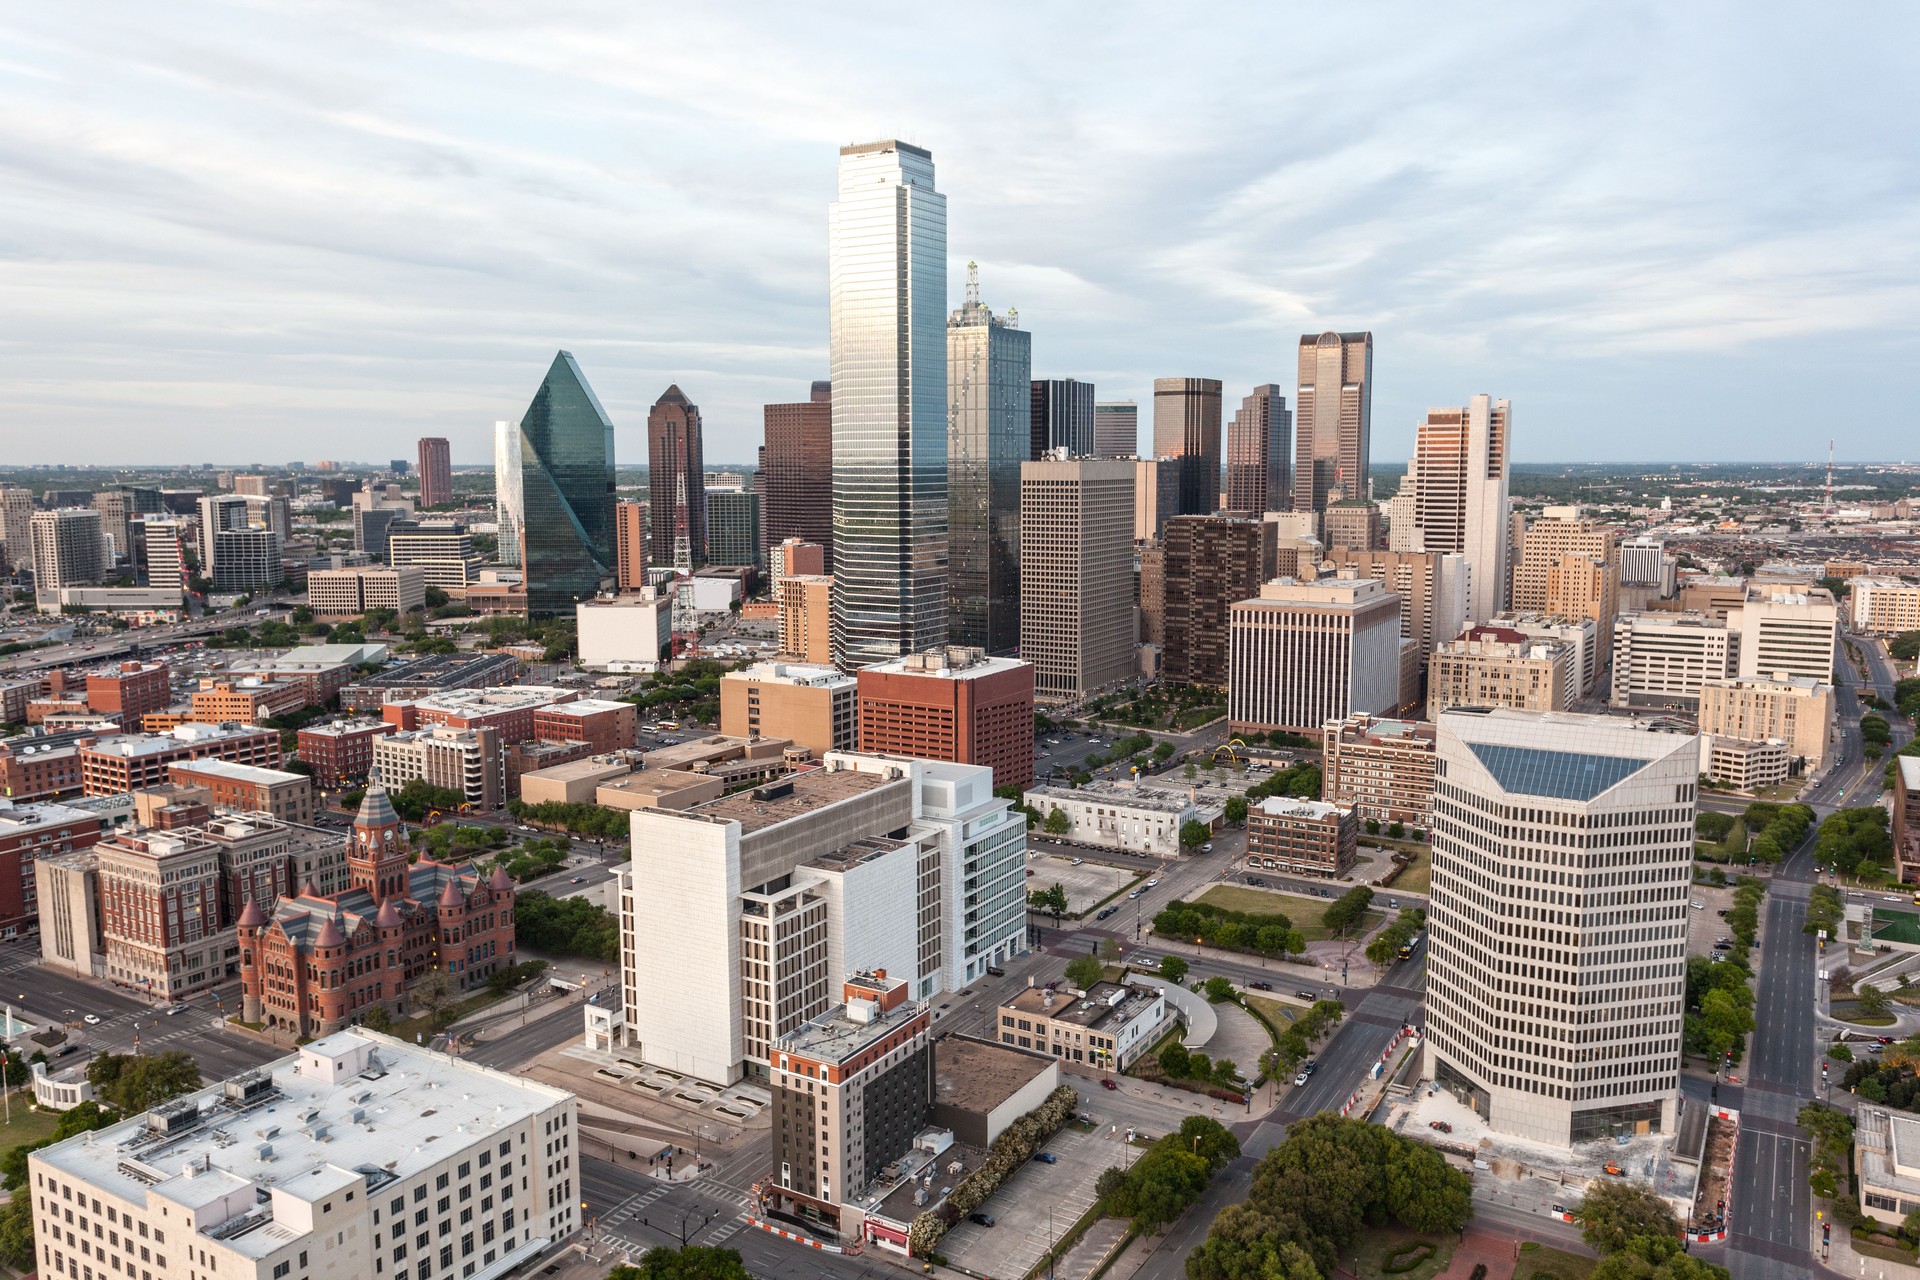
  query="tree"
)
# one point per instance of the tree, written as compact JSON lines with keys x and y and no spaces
{"x":1680,"y":1266}
{"x":1236,"y":809}
{"x":1872,"y":1000}
{"x":1052,"y":899}
{"x":694,"y":1262}
{"x":1173,"y":968}
{"x":1226,"y":1074}
{"x":1424,"y":1192}
{"x":139,"y":1082}
{"x":1083,"y":971}
{"x":435,"y":996}
{"x":1058,"y":823}
{"x":1110,"y":949}
{"x":1219,"y":990}
{"x":16,"y":1233}
{"x":377,"y":1019}
{"x":1173,"y":1060}
{"x":1348,"y":909}
{"x":1193,"y":834}
{"x":1622,"y":1216}
{"x":1164,"y":1182}
{"x":1210,"y":1140}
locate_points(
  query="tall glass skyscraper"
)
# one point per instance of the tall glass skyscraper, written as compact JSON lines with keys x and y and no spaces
{"x":1333,"y":431}
{"x":887,"y":263}
{"x":988,"y":360}
{"x":1260,"y":453}
{"x":507,"y":506}
{"x":566,"y":488}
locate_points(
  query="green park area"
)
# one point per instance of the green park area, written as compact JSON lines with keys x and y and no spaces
{"x":1309,"y":914}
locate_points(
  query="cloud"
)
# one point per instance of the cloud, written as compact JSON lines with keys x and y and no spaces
{"x":237,"y":231}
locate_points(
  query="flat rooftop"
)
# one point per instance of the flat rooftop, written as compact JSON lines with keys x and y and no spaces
{"x":1103,"y":1002}
{"x":511,"y":697}
{"x":646,"y":782}
{"x":449,"y":669}
{"x":1118,"y":794}
{"x":978,"y":1075}
{"x":238,"y":772}
{"x":712,"y":747}
{"x":950,"y":664}
{"x":794,"y":673}
{"x":340,"y":728}
{"x":835,"y":1037}
{"x":131,"y":745}
{"x":586,"y":707}
{"x":18,"y":818}
{"x":394,"y":1115}
{"x":789,"y":797}
{"x":852,"y":855}
{"x":593,"y":767}
{"x":1310,"y":810}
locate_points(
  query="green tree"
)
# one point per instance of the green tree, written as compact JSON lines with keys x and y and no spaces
{"x":1173,"y":1060}
{"x":1083,"y":972}
{"x":1679,"y":1266}
{"x":1173,"y":968}
{"x":1210,"y":1140}
{"x":1165,"y":1181}
{"x":1052,"y":899}
{"x":1058,"y":823}
{"x":694,"y":1262}
{"x":1872,"y":1000}
{"x":1424,"y":1192}
{"x":16,"y":1234}
{"x":1236,"y":809}
{"x":1348,"y":909}
{"x":1618,"y":1215}
{"x":1193,"y":834}
{"x":377,"y":1019}
{"x":1219,"y":990}
{"x":436,"y":996}
{"x":1226,"y":1073}
{"x":139,"y":1082}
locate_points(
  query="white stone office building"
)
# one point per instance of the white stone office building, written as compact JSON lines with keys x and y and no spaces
{"x":1304,"y":653}
{"x":360,"y":1157}
{"x":1118,"y":815}
{"x":1660,"y":660}
{"x":760,"y":904}
{"x":1786,"y":631}
{"x":1557,"y":921}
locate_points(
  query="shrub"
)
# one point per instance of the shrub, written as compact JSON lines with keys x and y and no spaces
{"x":1408,"y":1258}
{"x":1011,"y":1150}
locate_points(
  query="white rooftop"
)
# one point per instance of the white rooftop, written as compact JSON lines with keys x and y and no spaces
{"x":130,"y":745}
{"x":1312,"y":810}
{"x":238,"y":772}
{"x":353,"y":1105}
{"x":498,"y":698}
{"x":586,"y":706}
{"x":18,"y":818}
{"x":801,"y":673}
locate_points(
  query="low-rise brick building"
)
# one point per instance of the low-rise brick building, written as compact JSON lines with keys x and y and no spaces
{"x":132,"y":761}
{"x":1306,"y":837}
{"x":341,"y":753}
{"x":249,"y":788}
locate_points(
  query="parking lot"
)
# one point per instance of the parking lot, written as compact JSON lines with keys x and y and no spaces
{"x":1033,"y":1206}
{"x":1706,"y":927}
{"x":1086,"y":884}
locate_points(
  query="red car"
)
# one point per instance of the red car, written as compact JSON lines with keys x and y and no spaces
{"x":1109,"y":1083}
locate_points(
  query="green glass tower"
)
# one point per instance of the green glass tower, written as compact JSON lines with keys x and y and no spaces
{"x":566,"y":480}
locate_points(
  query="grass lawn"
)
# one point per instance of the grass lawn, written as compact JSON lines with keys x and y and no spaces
{"x":1275,"y":1012}
{"x":422,"y":1025}
{"x":1543,"y":1263}
{"x":28,"y":1125}
{"x":1849,"y":1011}
{"x":1418,"y":876}
{"x":1305,"y":912}
{"x":1375,"y":1247}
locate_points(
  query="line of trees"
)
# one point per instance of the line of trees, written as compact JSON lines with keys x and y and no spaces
{"x":1387,"y":943}
{"x":1170,"y":1175}
{"x":1636,"y":1235}
{"x":1261,"y":933}
{"x":1297,"y":1041}
{"x":565,"y":926}
{"x":581,"y":819}
{"x":1856,"y":842}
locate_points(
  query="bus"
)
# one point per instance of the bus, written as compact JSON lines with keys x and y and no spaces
{"x":669,"y":724}
{"x":1412,"y":945}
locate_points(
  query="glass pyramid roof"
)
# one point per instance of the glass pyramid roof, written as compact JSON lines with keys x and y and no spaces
{"x":1561,"y":775}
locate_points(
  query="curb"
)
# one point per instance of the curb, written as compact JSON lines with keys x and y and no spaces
{"x":793,"y":1236}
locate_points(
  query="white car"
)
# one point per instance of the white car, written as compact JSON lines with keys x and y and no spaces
{"x":1698,"y":905}
{"x":1300,"y":1079}
{"x":1077,"y":861}
{"x":93,"y":1019}
{"x":1153,"y":883}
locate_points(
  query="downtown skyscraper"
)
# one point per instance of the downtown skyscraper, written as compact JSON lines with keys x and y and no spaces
{"x":887,"y":262}
{"x":566,"y":489}
{"x":1334,"y":424}
{"x":988,"y":436}
{"x":508,"y":509}
{"x":677,"y":482}
{"x":1062,"y":417}
{"x":436,"y":471}
{"x":1260,"y":453}
{"x":798,"y":471}
{"x":1186,"y":426}
{"x":1459,"y":479}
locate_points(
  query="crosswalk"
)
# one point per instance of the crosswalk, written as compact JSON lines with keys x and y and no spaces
{"x":627,"y":1220}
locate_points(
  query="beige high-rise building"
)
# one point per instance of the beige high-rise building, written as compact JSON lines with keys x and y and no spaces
{"x":630,"y":545}
{"x":1186,"y":428}
{"x":1459,"y":479}
{"x":1355,"y":523}
{"x":16,"y":525}
{"x":1333,"y":419}
{"x":1661,"y":660}
{"x":1076,"y":575}
{"x":1884,"y":606}
{"x":1786,"y":631}
{"x":1304,"y":653}
{"x":1796,"y":711}
{"x":350,"y":592}
{"x":1494,"y":667}
{"x":1382,"y":768}
{"x":814,"y":706}
{"x":806,"y":612}
{"x":1569,"y":565}
{"x":115,"y":507}
{"x":1153,"y":595}
{"x":1432,"y":589}
{"x":67,"y":550}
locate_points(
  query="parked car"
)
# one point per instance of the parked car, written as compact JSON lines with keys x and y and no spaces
{"x":1300,"y":1079}
{"x":1260,"y":986}
{"x":1440,"y":1125}
{"x":1153,"y":883}
{"x":996,"y":971}
{"x":1136,"y":893}
{"x":980,"y":1219}
{"x":1698,"y":905}
{"x":1046,"y":1157}
{"x":1311,"y":1065}
{"x":1256,"y":882}
{"x":1304,"y":995}
{"x":1109,"y":1083}
{"x":1077,"y":861}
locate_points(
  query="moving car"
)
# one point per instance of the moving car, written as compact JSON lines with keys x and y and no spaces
{"x":1260,"y":986}
{"x":1046,"y":1157}
{"x":93,"y":1019}
{"x":175,"y":1008}
{"x":1109,"y":1083}
{"x":1104,"y":912}
{"x":1300,"y":1079}
{"x":1304,"y":995}
{"x":1077,"y":861}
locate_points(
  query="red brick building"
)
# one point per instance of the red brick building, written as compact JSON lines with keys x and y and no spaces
{"x":130,"y":690}
{"x":341,"y":753}
{"x":321,"y":961}
{"x":31,"y":772}
{"x":131,"y":761}
{"x":509,"y":710}
{"x":27,"y":832}
{"x":249,"y":700}
{"x":602,"y":725}
{"x":952,"y":704}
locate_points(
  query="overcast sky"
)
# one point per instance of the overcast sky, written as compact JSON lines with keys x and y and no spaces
{"x":273,"y":231}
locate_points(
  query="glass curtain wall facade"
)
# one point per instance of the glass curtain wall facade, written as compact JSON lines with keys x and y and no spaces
{"x":1186,"y":426}
{"x":887,"y":263}
{"x":1260,"y":453}
{"x":506,"y":489}
{"x":677,"y":482}
{"x":988,"y":362}
{"x":1334,"y":430}
{"x":566,"y":487}
{"x":1062,"y":417}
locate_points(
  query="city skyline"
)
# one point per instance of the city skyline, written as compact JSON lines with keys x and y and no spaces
{"x":353,"y":190}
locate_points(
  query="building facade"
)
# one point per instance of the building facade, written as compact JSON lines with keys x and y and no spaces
{"x":806,"y":618}
{"x":887,"y":264}
{"x":1491,"y":667}
{"x":1210,"y":563}
{"x":813,"y":706}
{"x":1796,"y":633}
{"x":988,"y":405}
{"x":1108,"y":1026}
{"x":566,"y":492}
{"x":129,"y":690}
{"x":799,"y":471}
{"x":1434,"y":588}
{"x":952,"y":704}
{"x":1304,"y":653}
{"x":1060,"y":414}
{"x":1333,"y":423}
{"x":1569,"y":565}
{"x":1186,"y":429}
{"x":1075,"y":619}
{"x":1660,"y":660}
{"x":340,"y":752}
{"x":508,"y":506}
{"x":1558,"y":1018}
{"x":1302,"y":837}
{"x":132,"y":761}
{"x":1884,"y":606}
{"x":350,"y":592}
{"x":677,"y":482}
{"x":1382,"y":769}
{"x":248,"y":788}
{"x":1116,"y":429}
{"x":467,"y":761}
{"x":1260,"y":453}
{"x":29,"y":832}
{"x":436,"y":471}
{"x":733,"y":527}
{"x":1459,"y":479}
{"x":1797,"y":712}
{"x":1116,"y":815}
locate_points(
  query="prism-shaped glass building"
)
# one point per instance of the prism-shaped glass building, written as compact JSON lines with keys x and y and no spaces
{"x":566,"y":492}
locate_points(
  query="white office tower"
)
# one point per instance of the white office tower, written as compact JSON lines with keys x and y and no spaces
{"x":741,"y":916}
{"x":1791,"y":632}
{"x":508,"y":505}
{"x":1557,"y":921}
{"x":1459,"y":479}
{"x":887,"y":269}
{"x":166,"y":554}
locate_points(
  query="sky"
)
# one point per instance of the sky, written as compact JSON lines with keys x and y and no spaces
{"x":260,"y":232}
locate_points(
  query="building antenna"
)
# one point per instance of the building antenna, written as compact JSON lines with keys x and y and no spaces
{"x":973,"y":284}
{"x":1829,"y":475}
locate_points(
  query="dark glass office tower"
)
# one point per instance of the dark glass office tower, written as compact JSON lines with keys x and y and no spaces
{"x":1260,"y":453}
{"x":566,"y":478}
{"x":988,"y":359}
{"x":1186,"y":425}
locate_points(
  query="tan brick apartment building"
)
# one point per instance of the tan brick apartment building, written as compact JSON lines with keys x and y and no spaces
{"x":814,"y":706}
{"x":1382,"y":768}
{"x":249,"y":788}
